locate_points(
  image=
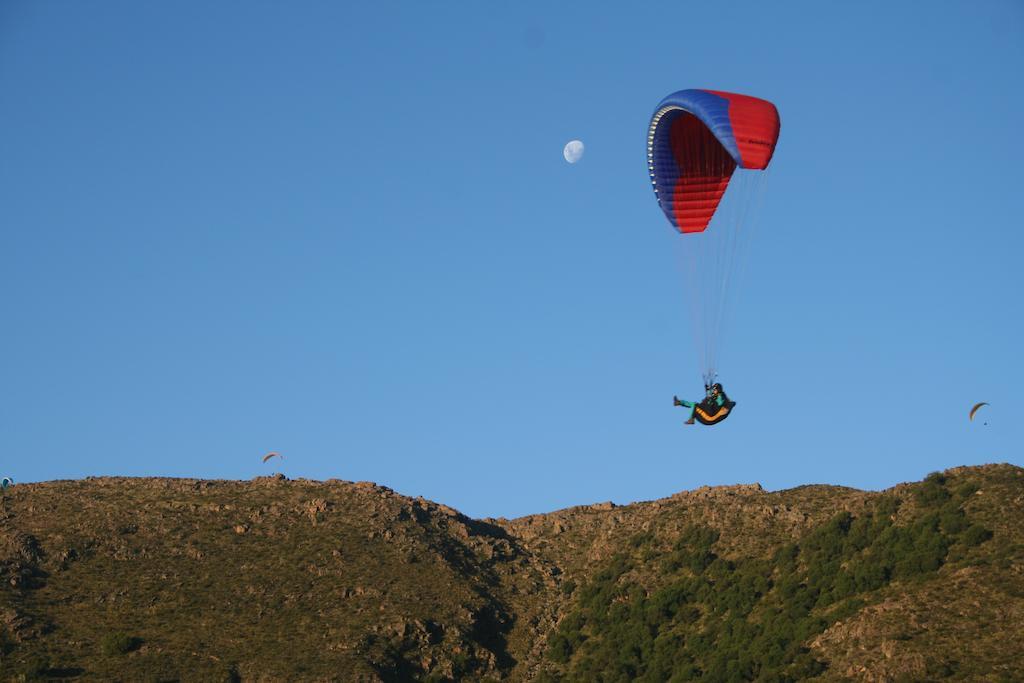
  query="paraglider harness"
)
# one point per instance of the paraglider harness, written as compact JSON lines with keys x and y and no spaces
{"x":708,"y":411}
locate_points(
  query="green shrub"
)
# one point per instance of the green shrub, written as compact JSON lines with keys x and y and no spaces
{"x":559,"y":648}
{"x":229,"y":674}
{"x":932,"y":491}
{"x":34,"y":670}
{"x":976,"y":535}
{"x":953,"y":521}
{"x":966,"y":490}
{"x":118,"y":643}
{"x":6,"y":643}
{"x":848,"y":608}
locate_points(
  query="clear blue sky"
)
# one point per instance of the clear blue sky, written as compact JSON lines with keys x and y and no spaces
{"x":345,"y":232}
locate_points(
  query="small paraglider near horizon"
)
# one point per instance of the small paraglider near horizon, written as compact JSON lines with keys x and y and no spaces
{"x":6,"y":483}
{"x":573,"y":151}
{"x":970,"y":416}
{"x":714,"y":407}
{"x":272,"y":454}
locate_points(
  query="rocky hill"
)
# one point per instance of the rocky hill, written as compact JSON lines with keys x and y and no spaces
{"x":273,"y":579}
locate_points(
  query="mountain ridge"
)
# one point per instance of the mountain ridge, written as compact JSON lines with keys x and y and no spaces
{"x":119,"y":578}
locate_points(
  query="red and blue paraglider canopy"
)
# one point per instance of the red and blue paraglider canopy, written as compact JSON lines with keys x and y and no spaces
{"x":696,"y":140}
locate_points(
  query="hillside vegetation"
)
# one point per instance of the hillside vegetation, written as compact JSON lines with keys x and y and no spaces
{"x":272,"y":579}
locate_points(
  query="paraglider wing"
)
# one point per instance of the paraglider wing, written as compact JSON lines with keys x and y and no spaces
{"x":6,"y":483}
{"x":268,"y":456}
{"x":696,"y":140}
{"x":970,"y":416}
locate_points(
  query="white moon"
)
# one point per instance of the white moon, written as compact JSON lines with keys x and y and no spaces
{"x":573,"y":151}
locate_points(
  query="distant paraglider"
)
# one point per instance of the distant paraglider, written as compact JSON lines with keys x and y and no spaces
{"x":272,"y":454}
{"x":970,"y":416}
{"x":6,"y":483}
